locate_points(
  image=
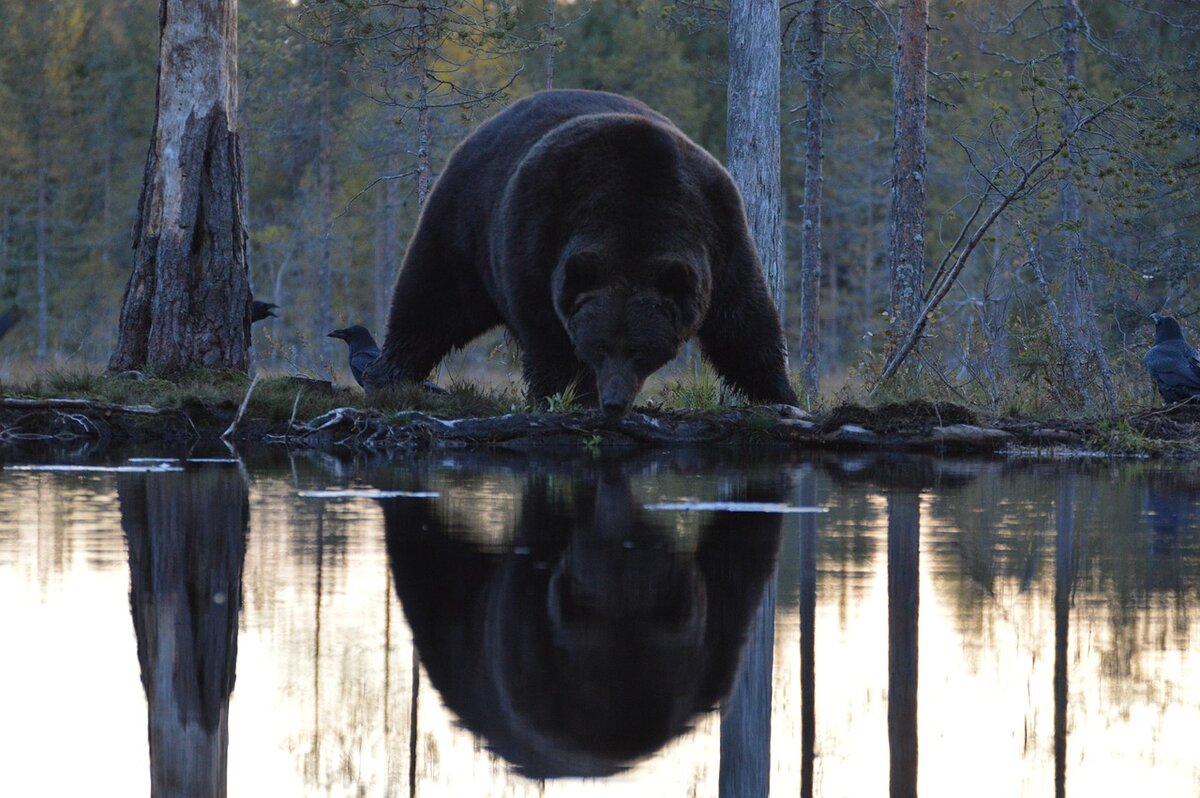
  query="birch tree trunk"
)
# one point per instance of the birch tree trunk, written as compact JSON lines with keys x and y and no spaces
{"x":907,"y":232}
{"x":753,"y":128}
{"x":187,"y":303}
{"x":810,"y":253}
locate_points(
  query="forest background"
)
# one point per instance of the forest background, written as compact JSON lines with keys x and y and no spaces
{"x":341,"y":142}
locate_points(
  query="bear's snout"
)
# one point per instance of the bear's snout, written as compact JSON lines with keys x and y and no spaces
{"x":618,"y":387}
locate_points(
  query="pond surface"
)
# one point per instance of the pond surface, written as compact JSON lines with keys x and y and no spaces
{"x":500,"y":625}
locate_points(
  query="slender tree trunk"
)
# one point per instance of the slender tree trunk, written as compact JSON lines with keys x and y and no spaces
{"x":551,"y":33}
{"x":424,"y":135}
{"x":1083,"y":305}
{"x":325,"y":206}
{"x":753,"y":129}
{"x":389,"y":243}
{"x":1066,"y":342}
{"x":42,"y":244}
{"x":810,"y":257}
{"x":187,"y":303}
{"x":907,"y":235}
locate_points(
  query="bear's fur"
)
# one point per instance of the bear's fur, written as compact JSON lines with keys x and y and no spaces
{"x":603,"y":238}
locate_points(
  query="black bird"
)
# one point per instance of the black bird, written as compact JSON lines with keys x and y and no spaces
{"x":363,"y":349}
{"x":9,"y":318}
{"x":262,"y":310}
{"x":1172,"y":363}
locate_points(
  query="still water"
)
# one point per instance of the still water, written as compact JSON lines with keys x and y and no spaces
{"x":504,"y":625}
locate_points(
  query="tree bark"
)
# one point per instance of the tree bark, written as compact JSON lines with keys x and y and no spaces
{"x":753,"y":129}
{"x":551,"y":32}
{"x":810,"y":253}
{"x":187,"y":303}
{"x":907,"y":231}
{"x":1082,"y":301}
{"x":325,"y":206}
{"x":42,"y":244}
{"x":424,"y":135}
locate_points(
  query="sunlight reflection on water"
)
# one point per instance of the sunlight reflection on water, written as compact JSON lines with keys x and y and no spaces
{"x":1053,"y":607}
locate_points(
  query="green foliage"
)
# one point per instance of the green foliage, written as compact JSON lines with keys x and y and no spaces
{"x":696,"y":387}
{"x":565,"y":401}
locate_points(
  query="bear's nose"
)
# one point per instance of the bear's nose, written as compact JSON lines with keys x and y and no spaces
{"x":613,"y":408}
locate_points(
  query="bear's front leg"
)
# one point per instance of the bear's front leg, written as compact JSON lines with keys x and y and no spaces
{"x":744,"y":341}
{"x":438,"y":305}
{"x":550,"y":368}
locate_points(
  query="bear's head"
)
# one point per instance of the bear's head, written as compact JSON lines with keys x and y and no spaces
{"x":627,"y":318}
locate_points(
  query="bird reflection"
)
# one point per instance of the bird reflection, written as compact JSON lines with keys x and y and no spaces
{"x":186,"y":534}
{"x":593,"y":640}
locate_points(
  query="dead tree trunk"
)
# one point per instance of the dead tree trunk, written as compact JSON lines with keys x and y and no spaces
{"x":753,"y":129}
{"x":424,"y":135}
{"x":810,"y":253}
{"x":907,"y":233}
{"x":187,"y":303}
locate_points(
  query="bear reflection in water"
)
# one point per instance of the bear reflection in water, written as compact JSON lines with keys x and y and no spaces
{"x":593,"y":639}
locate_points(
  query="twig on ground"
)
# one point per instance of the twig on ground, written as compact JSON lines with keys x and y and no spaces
{"x":241,"y":410}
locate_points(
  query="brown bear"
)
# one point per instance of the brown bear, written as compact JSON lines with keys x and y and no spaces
{"x":603,"y":238}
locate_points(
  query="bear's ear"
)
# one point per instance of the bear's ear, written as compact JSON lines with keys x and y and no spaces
{"x":581,"y":273}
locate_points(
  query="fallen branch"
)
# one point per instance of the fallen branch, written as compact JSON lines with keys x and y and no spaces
{"x":241,"y":410}
{"x":950,"y":276}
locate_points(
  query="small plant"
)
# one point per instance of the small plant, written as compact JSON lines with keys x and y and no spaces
{"x":592,"y":444}
{"x":696,"y":388}
{"x":565,"y":401}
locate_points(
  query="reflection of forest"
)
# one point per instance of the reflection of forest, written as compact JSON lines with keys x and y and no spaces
{"x":325,"y":660}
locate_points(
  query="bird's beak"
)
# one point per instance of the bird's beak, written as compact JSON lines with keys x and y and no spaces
{"x":271,"y":311}
{"x":337,"y":334}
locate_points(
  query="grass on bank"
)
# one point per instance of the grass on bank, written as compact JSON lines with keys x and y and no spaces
{"x":276,"y":398}
{"x":689,"y":384}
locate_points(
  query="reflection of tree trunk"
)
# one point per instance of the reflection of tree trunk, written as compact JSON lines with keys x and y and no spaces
{"x":904,"y":538}
{"x":413,"y":728}
{"x":808,"y":619}
{"x":1064,"y":518}
{"x":187,"y":541}
{"x":746,"y":721}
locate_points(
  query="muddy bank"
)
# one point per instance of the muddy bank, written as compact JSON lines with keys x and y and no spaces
{"x":911,"y":426}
